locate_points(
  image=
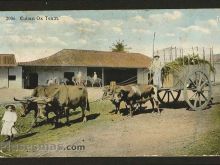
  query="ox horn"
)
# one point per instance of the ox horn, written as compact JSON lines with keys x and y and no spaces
{"x":22,"y":100}
{"x":39,"y":99}
{"x":32,"y":98}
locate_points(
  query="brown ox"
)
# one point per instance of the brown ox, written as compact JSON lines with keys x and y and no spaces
{"x":59,"y":99}
{"x":133,"y":95}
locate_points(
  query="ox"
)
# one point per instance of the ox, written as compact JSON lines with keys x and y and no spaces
{"x":133,"y":95}
{"x":58,"y":99}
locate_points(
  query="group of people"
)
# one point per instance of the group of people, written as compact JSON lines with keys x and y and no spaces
{"x":79,"y":77}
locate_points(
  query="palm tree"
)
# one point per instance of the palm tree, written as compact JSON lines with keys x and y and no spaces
{"x":119,"y":46}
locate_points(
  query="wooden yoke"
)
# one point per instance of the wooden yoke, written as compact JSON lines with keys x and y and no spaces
{"x":112,"y":85}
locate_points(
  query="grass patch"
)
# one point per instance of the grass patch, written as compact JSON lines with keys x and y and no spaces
{"x":46,"y":133}
{"x":208,"y":144}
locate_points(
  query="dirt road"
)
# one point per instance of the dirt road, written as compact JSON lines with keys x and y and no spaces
{"x":170,"y":133}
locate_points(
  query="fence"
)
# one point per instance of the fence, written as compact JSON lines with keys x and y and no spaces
{"x":169,"y":54}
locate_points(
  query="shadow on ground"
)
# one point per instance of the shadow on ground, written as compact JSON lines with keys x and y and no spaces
{"x":176,"y":105}
{"x":78,"y":120}
{"x":25,"y":135}
{"x":52,"y":119}
{"x":143,"y":110}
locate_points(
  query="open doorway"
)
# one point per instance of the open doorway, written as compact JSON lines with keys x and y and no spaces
{"x":119,"y":75}
{"x":33,"y":80}
{"x":69,"y":76}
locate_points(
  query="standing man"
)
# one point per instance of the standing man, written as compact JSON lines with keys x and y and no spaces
{"x":9,"y":119}
{"x":95,"y":76}
{"x":79,"y":78}
{"x":156,"y":68}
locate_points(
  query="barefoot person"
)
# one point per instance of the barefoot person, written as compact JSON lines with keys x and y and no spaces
{"x":9,"y":119}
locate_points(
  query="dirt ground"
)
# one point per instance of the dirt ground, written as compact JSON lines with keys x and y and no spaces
{"x":142,"y":135}
{"x":7,"y":95}
{"x":168,"y":134}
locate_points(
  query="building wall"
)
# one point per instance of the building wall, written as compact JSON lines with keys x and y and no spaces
{"x":217,"y":75}
{"x":45,"y":73}
{"x":16,"y":71}
{"x":13,"y":71}
{"x":3,"y":77}
{"x":142,"y":76}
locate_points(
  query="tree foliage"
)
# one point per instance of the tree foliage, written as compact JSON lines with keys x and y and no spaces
{"x":119,"y":46}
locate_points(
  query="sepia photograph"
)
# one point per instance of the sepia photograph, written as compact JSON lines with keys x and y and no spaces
{"x":110,"y":83}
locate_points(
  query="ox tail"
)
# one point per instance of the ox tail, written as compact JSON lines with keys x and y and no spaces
{"x":87,"y":105}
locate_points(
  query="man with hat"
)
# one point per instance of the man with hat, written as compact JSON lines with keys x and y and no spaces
{"x":156,"y":68}
{"x":79,"y":78}
{"x":95,"y":76}
{"x":9,"y":119}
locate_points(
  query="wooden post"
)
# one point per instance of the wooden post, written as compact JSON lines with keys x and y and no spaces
{"x":103,"y":82}
{"x":183,"y":57}
{"x":164,"y":55}
{"x":8,"y":77}
{"x":171,"y":53}
{"x":212,"y":57}
{"x":180,"y":55}
{"x":213,"y":65}
{"x":175,"y":53}
{"x":153,"y":42}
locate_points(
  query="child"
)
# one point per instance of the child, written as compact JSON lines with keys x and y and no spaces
{"x":9,"y":119}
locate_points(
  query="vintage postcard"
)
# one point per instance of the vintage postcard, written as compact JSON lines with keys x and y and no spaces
{"x":76,"y":83}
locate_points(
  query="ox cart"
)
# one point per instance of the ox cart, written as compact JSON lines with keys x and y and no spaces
{"x":190,"y":75}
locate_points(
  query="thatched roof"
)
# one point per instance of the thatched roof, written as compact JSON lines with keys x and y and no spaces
{"x":7,"y":60}
{"x":91,"y":58}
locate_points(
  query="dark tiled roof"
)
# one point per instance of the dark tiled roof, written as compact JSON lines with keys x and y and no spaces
{"x":91,"y":58}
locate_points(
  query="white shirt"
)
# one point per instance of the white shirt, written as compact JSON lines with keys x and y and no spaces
{"x":9,"y":119}
{"x":95,"y":76}
{"x":10,"y":116}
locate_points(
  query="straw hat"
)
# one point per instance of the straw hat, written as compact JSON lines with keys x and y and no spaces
{"x":156,"y":56}
{"x":10,"y":106}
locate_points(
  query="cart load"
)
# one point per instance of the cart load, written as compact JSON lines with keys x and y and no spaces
{"x":188,"y":72}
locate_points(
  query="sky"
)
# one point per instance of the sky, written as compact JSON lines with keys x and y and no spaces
{"x":98,"y":30}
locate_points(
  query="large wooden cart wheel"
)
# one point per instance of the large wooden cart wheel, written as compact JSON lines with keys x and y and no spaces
{"x":197,"y":90}
{"x":168,"y":96}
